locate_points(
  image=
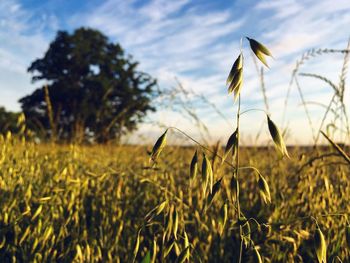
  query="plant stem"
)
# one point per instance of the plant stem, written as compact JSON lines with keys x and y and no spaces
{"x":237,"y":192}
{"x":201,"y":145}
{"x":237,"y":156}
{"x":246,"y":111}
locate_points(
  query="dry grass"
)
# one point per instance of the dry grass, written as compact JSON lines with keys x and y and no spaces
{"x":60,"y":203}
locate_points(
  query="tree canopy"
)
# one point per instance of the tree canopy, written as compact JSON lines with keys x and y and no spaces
{"x":93,"y":89}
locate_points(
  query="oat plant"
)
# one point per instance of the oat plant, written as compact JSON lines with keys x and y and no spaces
{"x":163,"y":219}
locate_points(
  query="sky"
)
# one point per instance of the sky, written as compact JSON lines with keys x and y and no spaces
{"x":194,"y":43}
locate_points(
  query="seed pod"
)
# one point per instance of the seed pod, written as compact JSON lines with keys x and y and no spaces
{"x":216,"y":189}
{"x":259,"y":50}
{"x":79,"y":254}
{"x":194,"y":166}
{"x":237,"y":89}
{"x":256,"y":255}
{"x":320,"y":246}
{"x":264,"y":189}
{"x":155,"y":211}
{"x":235,"y":85}
{"x":25,"y":235}
{"x":223,"y":218}
{"x":234,"y":185}
{"x":169,"y":222}
{"x":186,"y":241}
{"x":184,"y":255}
{"x":158,"y":147}
{"x":277,"y":137}
{"x":154,"y":251}
{"x":37,"y":212}
{"x":235,"y":67}
{"x":207,"y":175}
{"x":136,"y":246}
{"x":231,"y":144}
{"x":347,"y":236}
{"x":3,"y":242}
{"x":187,"y":244}
{"x":176,"y":223}
{"x":47,"y":234}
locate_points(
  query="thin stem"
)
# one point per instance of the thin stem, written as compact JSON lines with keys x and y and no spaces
{"x":241,"y":247}
{"x":249,"y":110}
{"x":237,"y":155}
{"x":249,"y":167}
{"x":255,"y":221}
{"x":201,"y":145}
{"x":324,"y":119}
{"x":337,"y":148}
{"x":237,"y":172}
{"x":167,"y":191}
{"x":305,"y":108}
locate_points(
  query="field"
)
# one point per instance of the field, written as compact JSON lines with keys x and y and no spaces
{"x":63,"y":203}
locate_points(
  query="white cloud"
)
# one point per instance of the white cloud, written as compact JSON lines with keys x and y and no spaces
{"x":21,"y":41}
{"x":193,"y":45}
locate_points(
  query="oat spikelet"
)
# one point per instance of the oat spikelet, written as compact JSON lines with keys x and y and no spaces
{"x":259,"y":50}
{"x":235,"y":77}
{"x":277,"y":137}
{"x":238,"y":64}
{"x":207,"y":175}
{"x":158,"y":147}
{"x":231,"y":145}
{"x":194,"y":166}
{"x":320,"y":246}
{"x":264,"y":189}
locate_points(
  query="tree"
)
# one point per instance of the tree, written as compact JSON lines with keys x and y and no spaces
{"x":8,"y":121}
{"x":94,"y":90}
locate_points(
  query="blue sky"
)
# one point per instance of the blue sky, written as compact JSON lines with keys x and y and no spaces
{"x":194,"y":41}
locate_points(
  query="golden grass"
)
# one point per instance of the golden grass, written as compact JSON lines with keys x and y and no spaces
{"x":88,"y":203}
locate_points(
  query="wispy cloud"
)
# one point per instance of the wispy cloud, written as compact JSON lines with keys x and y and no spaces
{"x":198,"y":47}
{"x":21,"y":41}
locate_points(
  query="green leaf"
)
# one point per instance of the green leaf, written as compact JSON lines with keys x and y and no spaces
{"x":147,"y":258}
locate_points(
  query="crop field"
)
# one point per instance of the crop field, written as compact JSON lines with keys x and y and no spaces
{"x":108,"y":204}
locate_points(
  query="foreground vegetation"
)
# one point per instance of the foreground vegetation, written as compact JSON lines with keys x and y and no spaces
{"x":64,"y":203}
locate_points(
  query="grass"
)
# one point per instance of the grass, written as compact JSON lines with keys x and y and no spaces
{"x":94,"y":201}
